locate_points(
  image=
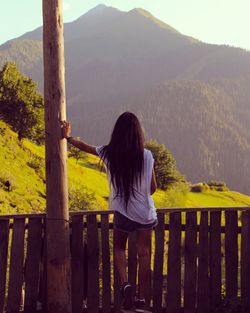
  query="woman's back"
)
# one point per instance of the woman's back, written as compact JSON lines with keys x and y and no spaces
{"x":131,"y":178}
{"x":140,"y":207}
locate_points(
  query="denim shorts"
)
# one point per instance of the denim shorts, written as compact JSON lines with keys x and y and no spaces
{"x":124,"y":224}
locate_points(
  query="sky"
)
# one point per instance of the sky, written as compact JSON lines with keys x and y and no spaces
{"x":211,"y":21}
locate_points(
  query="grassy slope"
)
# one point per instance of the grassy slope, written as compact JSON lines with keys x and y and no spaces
{"x":28,"y":194}
{"x":217,"y":199}
{"x":28,"y":188}
{"x":22,"y":163}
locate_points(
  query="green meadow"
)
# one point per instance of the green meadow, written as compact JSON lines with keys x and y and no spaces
{"x":23,"y":166}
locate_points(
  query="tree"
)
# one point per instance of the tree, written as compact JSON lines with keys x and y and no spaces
{"x":165,"y":165}
{"x":21,"y":105}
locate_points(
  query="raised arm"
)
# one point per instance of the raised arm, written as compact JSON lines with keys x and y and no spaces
{"x":66,"y":130}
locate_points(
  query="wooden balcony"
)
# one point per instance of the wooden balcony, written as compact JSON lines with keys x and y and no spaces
{"x":198,"y":257}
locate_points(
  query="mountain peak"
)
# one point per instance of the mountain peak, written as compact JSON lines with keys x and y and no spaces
{"x":148,"y":15}
{"x":141,"y":12}
{"x":99,"y":9}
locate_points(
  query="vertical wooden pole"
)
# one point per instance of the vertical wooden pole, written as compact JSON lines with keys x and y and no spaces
{"x":58,"y":250}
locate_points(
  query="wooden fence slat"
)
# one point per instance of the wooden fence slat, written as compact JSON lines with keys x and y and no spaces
{"x":43,"y":272}
{"x":245,"y":258}
{"x":85,"y":269}
{"x":4,"y":241}
{"x":231,"y":253}
{"x":32,"y":264}
{"x":148,"y":287}
{"x":190,"y":271}
{"x":106,"y":279}
{"x":132,"y":262}
{"x":158,"y":265}
{"x":77,"y":263}
{"x":16,"y":266}
{"x":173,"y":297}
{"x":93,"y":264}
{"x":117,"y":284}
{"x":215,"y":258}
{"x":203,"y":266}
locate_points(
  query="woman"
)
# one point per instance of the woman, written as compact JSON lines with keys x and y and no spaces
{"x":132,"y":182}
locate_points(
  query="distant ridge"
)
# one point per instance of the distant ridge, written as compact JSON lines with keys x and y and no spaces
{"x":148,"y":15}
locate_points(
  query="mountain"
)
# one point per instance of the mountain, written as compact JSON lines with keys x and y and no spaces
{"x":191,"y":96}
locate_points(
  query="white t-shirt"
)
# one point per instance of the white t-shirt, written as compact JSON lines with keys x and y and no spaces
{"x":140,"y":207}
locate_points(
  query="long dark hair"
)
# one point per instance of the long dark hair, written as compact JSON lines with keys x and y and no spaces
{"x":123,"y":156}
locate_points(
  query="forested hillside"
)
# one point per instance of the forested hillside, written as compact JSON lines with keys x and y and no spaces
{"x":191,"y":96}
{"x":209,"y":137}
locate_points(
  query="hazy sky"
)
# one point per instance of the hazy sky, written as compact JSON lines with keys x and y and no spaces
{"x":213,"y":21}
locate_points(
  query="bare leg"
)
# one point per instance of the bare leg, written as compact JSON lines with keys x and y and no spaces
{"x":143,"y":250}
{"x":120,"y":240}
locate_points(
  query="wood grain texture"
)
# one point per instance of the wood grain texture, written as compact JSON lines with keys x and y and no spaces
{"x":77,"y":263}
{"x":173,"y":297}
{"x":57,"y":206}
{"x":245,"y":258}
{"x":132,"y":262}
{"x":148,"y":287}
{"x":231,"y":253}
{"x":93,"y":264}
{"x":203,"y":266}
{"x":32,"y":264}
{"x":117,"y":299}
{"x":190,"y":271}
{"x":43,"y":296}
{"x":16,"y":266}
{"x":158,"y":264}
{"x":106,"y":267}
{"x":4,"y":241}
{"x":215,"y":258}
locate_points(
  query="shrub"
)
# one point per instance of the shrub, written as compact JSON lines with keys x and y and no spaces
{"x":81,"y":198}
{"x":217,"y":185}
{"x":200,"y":187}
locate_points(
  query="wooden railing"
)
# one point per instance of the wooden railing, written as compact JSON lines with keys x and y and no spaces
{"x":198,"y":257}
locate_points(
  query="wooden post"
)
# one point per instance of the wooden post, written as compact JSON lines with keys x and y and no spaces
{"x":58,"y":250}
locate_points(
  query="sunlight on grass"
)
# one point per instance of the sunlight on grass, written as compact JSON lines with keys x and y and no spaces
{"x":23,"y":165}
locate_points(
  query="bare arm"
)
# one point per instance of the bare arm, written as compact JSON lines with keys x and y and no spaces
{"x":66,"y":129}
{"x":82,"y":146}
{"x":153,"y":186}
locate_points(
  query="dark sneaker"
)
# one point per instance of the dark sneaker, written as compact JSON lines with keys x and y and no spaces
{"x":126,"y":292}
{"x":139,"y":305}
